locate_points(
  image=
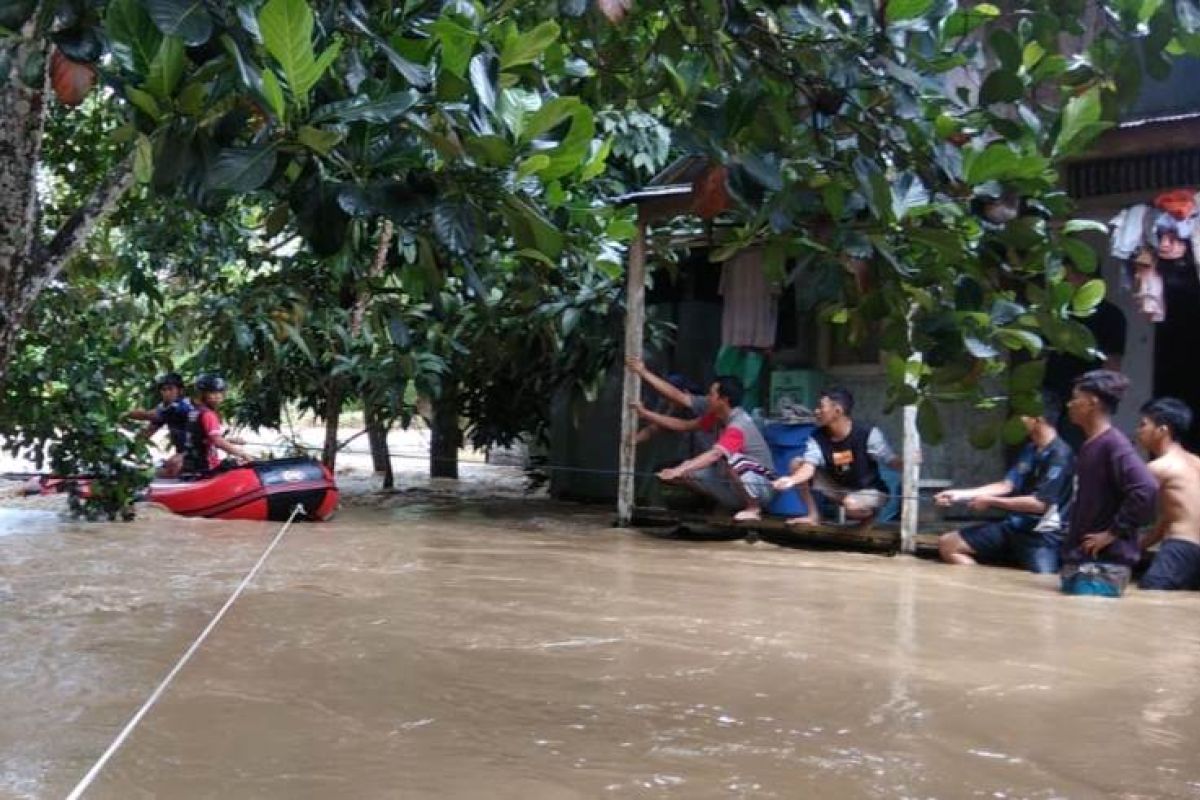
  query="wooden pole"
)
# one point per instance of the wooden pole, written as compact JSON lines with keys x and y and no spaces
{"x":635,"y":322}
{"x":910,"y":479}
{"x":910,"y":483}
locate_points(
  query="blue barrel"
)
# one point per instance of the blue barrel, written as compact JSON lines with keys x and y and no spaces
{"x":787,"y":442}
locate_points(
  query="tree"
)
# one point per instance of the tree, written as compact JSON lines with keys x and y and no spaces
{"x":81,"y":367}
{"x":436,"y":127}
{"x":460,"y":142}
{"x":435,"y":109}
{"x":29,"y":261}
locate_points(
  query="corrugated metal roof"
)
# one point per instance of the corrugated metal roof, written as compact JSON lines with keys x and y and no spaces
{"x":1178,"y":94}
{"x":684,"y":169}
{"x":652,"y":192}
{"x":674,"y":181}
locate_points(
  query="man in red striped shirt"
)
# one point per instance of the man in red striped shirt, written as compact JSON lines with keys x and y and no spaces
{"x":735,"y":471}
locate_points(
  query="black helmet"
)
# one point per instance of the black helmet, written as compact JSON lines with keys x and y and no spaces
{"x":168,"y":379}
{"x":211,"y":382}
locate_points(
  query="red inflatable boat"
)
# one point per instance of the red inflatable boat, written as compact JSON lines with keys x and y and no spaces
{"x":262,"y":490}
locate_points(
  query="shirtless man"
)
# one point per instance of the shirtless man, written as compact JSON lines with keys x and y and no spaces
{"x":1177,"y":564}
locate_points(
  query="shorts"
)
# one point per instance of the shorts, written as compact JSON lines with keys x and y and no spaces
{"x":758,"y":486}
{"x":1004,"y":543}
{"x":1176,"y":566}
{"x":717,"y":480}
{"x":871,"y":499}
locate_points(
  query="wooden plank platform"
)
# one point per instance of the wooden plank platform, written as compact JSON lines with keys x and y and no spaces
{"x":719,"y":526}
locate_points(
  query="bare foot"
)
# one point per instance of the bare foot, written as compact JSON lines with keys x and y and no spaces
{"x":809,"y":519}
{"x":748,"y":515}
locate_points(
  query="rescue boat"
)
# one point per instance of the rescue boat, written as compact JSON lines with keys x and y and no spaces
{"x":260,"y":490}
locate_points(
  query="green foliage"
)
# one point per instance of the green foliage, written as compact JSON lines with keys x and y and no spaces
{"x":847,"y":130}
{"x":287,"y":27}
{"x":134,"y":38}
{"x":186,"y":19}
{"x":81,"y":368}
{"x":276,"y":138}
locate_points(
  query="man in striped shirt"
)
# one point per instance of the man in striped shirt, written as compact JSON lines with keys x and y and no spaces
{"x":736,"y":470}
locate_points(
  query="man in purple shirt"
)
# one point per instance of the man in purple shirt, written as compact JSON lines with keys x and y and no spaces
{"x":1115,"y":494}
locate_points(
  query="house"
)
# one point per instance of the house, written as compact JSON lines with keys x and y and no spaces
{"x":683,"y":291}
{"x":1154,"y":148}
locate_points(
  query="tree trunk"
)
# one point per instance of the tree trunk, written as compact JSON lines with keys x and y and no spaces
{"x":446,"y":436}
{"x":26,"y":265}
{"x":333,"y":415}
{"x":377,"y":432}
{"x":21,"y":127}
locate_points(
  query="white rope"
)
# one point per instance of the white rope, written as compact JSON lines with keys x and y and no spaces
{"x":78,"y":791}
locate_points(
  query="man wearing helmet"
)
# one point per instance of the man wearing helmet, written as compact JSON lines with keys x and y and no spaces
{"x":206,"y":437}
{"x":173,"y":412}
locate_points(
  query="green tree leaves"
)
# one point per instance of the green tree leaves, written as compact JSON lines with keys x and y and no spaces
{"x":457,"y":44}
{"x":287,"y":28}
{"x":1001,"y":162}
{"x":186,"y":19}
{"x":242,"y":169}
{"x":903,"y":10}
{"x":1081,"y":123}
{"x":525,"y":48}
{"x":166,"y":68}
{"x":133,"y":36}
{"x":1087,"y":297}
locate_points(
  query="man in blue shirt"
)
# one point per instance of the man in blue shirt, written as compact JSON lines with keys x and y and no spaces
{"x":173,"y":412}
{"x":1036,"y":493}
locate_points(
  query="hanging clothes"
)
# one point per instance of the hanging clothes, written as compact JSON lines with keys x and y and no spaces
{"x":1196,"y":238}
{"x":1179,"y":203}
{"x":1129,"y":230}
{"x":1149,"y":297}
{"x":751,"y":309}
{"x":747,"y":365}
{"x":1169,"y":223}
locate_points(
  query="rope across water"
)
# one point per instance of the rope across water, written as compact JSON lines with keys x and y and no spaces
{"x":92,"y":773}
{"x":535,"y":467}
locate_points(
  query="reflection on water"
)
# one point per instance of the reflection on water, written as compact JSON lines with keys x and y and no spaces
{"x":22,"y":521}
{"x":522,"y":650}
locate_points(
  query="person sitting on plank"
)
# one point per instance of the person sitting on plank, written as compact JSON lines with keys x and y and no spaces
{"x":1115,"y":493}
{"x":734,"y":471}
{"x":1035,"y":494}
{"x":841,"y":462}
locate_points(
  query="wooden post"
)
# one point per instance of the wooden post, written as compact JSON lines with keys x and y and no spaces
{"x":635,"y":322}
{"x":910,"y":479}
{"x":910,"y":483}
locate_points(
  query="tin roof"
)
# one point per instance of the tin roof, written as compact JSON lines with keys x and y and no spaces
{"x":675,"y":180}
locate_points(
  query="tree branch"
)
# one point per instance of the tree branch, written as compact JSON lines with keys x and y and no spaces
{"x":73,"y":235}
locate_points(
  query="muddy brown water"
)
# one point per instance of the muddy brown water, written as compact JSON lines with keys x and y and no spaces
{"x":514,"y":650}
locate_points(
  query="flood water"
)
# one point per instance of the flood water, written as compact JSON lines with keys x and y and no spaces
{"x":524,"y":650}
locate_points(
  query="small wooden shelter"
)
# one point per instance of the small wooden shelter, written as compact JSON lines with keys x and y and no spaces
{"x":671,"y":194}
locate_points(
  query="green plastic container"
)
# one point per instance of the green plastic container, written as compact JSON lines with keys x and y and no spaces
{"x":800,"y":385}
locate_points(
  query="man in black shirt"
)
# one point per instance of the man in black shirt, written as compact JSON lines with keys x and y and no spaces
{"x":1036,"y":494}
{"x":841,"y":461}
